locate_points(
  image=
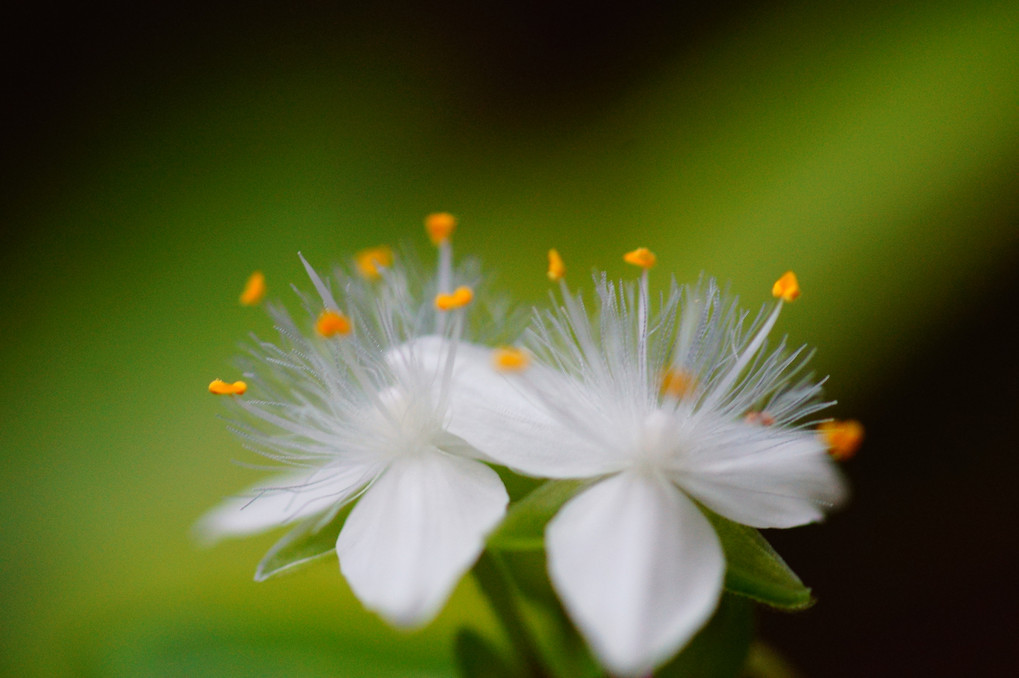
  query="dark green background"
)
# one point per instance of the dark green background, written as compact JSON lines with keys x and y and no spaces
{"x":154,"y":157}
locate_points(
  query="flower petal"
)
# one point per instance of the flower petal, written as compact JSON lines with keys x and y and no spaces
{"x":498,"y":414}
{"x":763,"y":478}
{"x":429,"y":354}
{"x":501,"y":416}
{"x":282,"y":500}
{"x":638,"y":567}
{"x":416,"y":530}
{"x":527,"y":441}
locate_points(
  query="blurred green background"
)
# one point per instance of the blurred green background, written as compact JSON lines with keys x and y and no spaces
{"x":153,"y":157}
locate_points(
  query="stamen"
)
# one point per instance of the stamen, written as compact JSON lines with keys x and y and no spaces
{"x":843,"y":438}
{"x":760,"y":418}
{"x":786,"y":288}
{"x":369,"y":262}
{"x":220,"y":387}
{"x":447,"y":368}
{"x":642,"y":257}
{"x":510,"y":359}
{"x":460,"y":297}
{"x":440,"y":226}
{"x":556,"y":267}
{"x":645,"y":259}
{"x":721,"y":387}
{"x":677,"y":383}
{"x":320,"y":285}
{"x":254,"y":289}
{"x":331,"y":323}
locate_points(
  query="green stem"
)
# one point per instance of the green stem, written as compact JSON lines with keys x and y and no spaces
{"x":497,"y":586}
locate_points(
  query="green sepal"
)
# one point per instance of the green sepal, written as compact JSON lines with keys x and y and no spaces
{"x":720,"y":649}
{"x":523,"y":528}
{"x":307,"y":543}
{"x":517,"y":486}
{"x":476,"y":658}
{"x":755,"y":570}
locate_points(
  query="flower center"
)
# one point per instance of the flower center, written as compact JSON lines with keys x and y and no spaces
{"x":410,"y":423}
{"x":657,"y":442}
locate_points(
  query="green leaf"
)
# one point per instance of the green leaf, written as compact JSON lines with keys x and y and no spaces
{"x":755,"y":570}
{"x":301,"y":546}
{"x":720,"y":649}
{"x":523,"y":529}
{"x":476,"y":658}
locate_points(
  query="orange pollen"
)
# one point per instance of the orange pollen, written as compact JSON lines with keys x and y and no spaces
{"x":761,"y":418}
{"x":642,"y":257}
{"x":369,"y":262}
{"x":331,"y":323}
{"x":786,"y":288}
{"x":440,"y":226}
{"x":460,"y":297}
{"x":220,"y":387}
{"x":510,"y":359}
{"x":677,"y":383}
{"x":556,"y":267}
{"x":843,"y":438}
{"x":254,"y":289}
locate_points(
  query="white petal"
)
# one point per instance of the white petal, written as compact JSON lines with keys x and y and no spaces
{"x":415,"y":532}
{"x":281,"y":500}
{"x":527,"y":441}
{"x":638,"y":567}
{"x":498,"y":414}
{"x":458,"y":447}
{"x":763,"y":478}
{"x":429,"y":354}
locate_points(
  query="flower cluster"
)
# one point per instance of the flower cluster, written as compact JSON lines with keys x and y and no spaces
{"x":392,"y":396}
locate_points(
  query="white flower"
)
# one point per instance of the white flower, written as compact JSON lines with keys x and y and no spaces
{"x":357,"y":410}
{"x":662,"y":413}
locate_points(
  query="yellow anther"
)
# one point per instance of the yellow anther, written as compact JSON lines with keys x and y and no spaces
{"x":843,"y":438}
{"x":510,"y":359}
{"x":370,"y":261}
{"x":787,"y":288}
{"x":220,"y":387}
{"x":759,"y":418}
{"x":642,"y":257}
{"x":460,"y":297}
{"x":440,"y":226}
{"x":254,"y":289}
{"x":331,"y":323}
{"x":556,"y":267}
{"x":677,"y":383}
